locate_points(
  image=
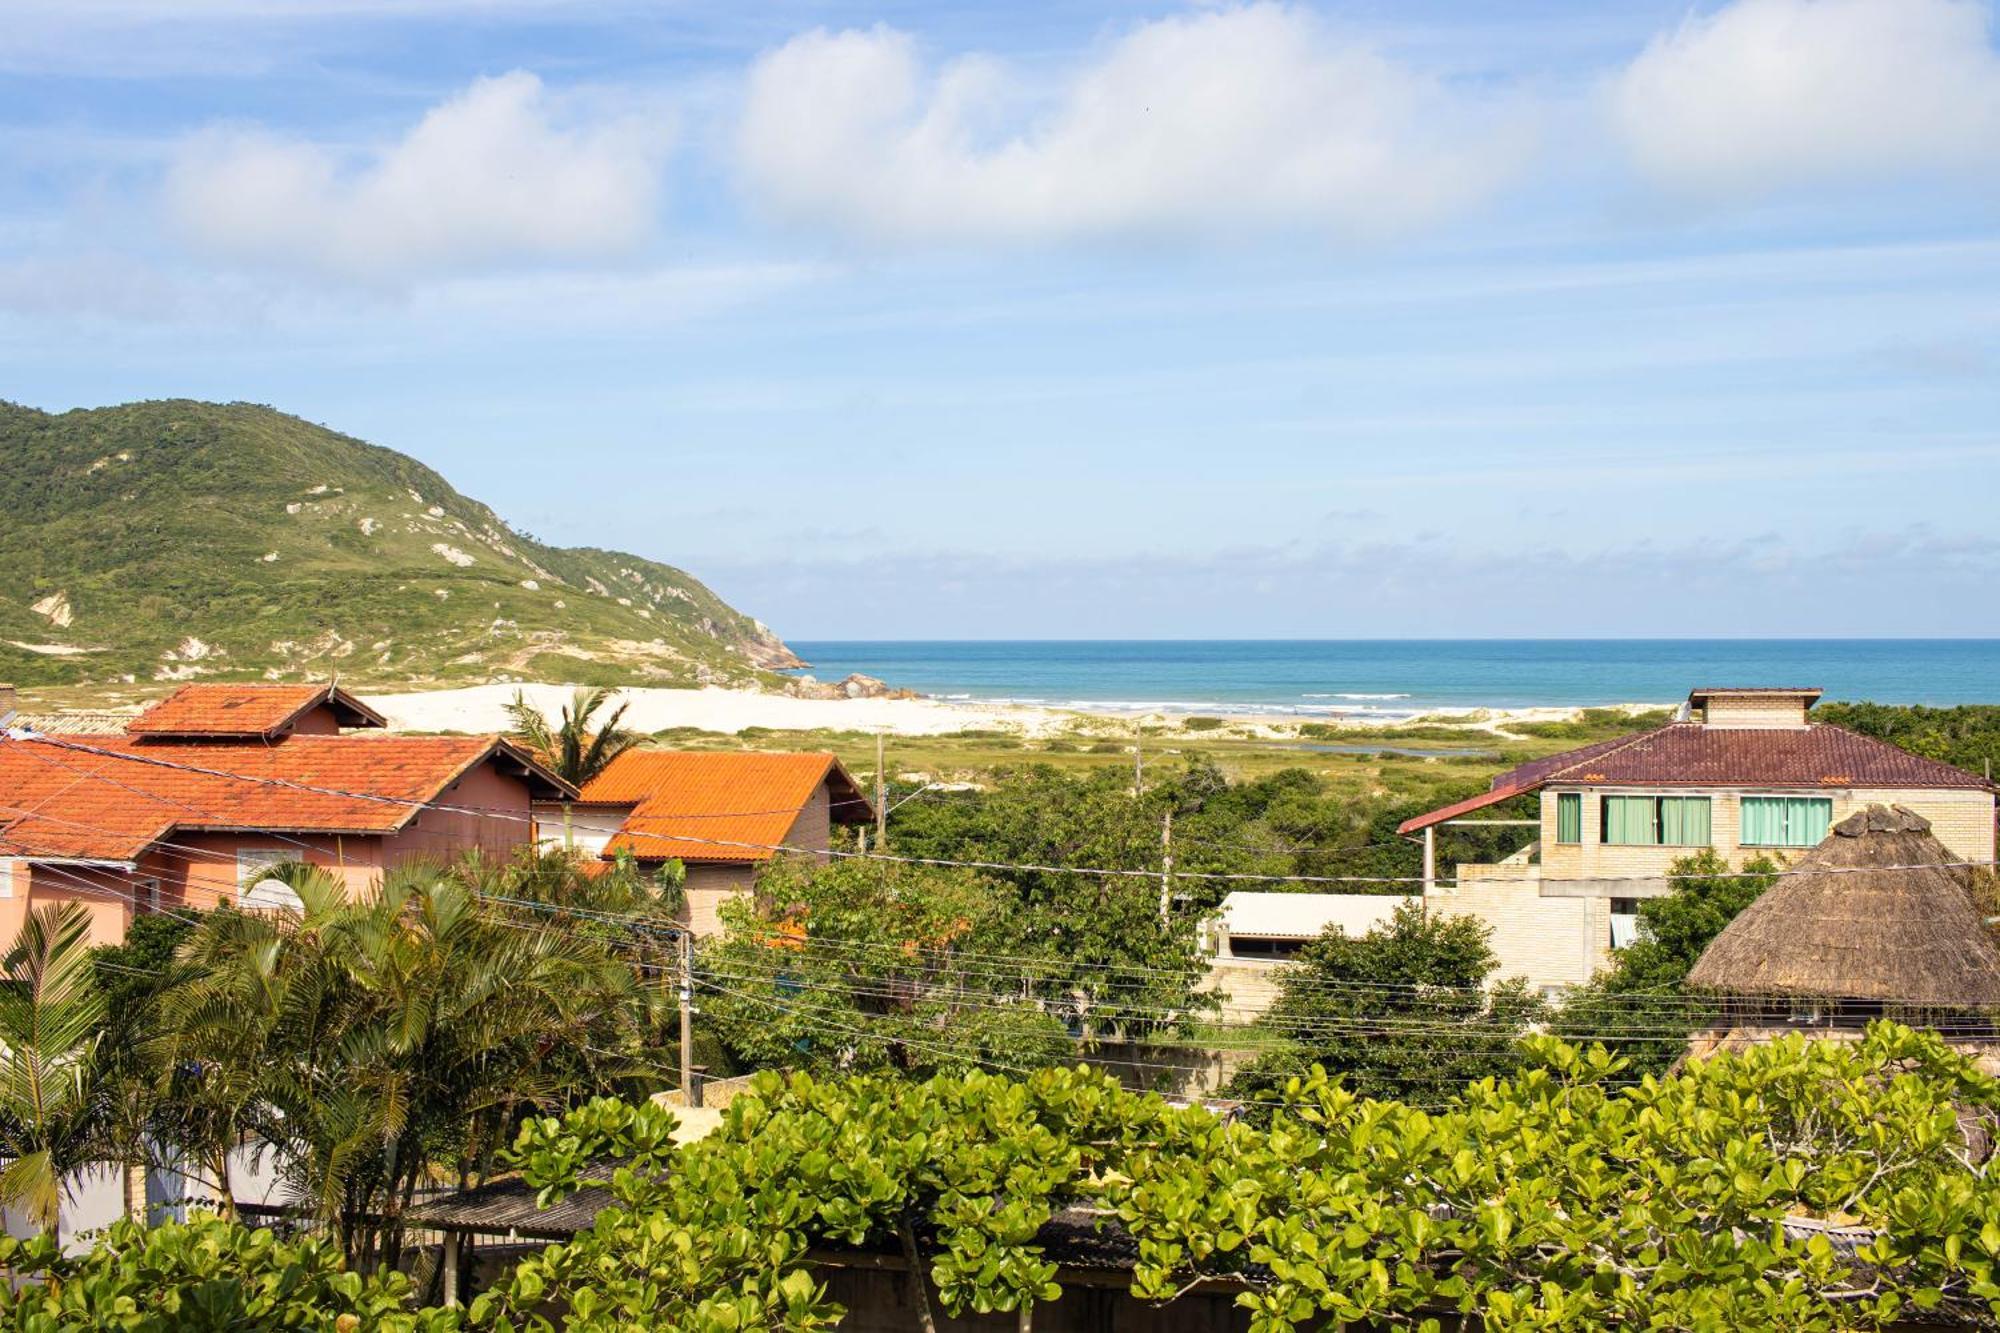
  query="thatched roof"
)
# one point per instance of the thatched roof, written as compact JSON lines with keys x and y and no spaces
{"x":1854,"y":921}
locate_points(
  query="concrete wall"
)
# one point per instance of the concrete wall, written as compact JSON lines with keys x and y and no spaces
{"x":1552,"y":941}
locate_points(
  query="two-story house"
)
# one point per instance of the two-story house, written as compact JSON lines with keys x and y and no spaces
{"x":723,"y":814}
{"x":1745,"y":771}
{"x":197,"y":797}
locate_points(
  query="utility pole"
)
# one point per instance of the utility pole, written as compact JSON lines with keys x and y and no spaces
{"x":881,"y":800}
{"x":1167,"y":867}
{"x":689,"y":1093}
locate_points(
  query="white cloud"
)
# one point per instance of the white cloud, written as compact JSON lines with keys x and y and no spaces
{"x":492,"y":176}
{"x":1220,"y":121}
{"x":1771,"y":93}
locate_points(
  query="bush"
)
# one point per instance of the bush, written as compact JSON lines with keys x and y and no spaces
{"x":202,"y":1274}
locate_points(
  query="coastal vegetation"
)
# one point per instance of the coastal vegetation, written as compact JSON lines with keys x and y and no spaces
{"x":163,"y":541}
{"x":1810,"y":1186}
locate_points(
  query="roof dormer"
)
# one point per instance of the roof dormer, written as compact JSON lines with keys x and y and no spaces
{"x":252,"y":712}
{"x":1767,"y":707}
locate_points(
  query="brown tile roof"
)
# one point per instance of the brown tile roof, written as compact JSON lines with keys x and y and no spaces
{"x":218,"y":709}
{"x":111,"y":797}
{"x":1689,"y":754}
{"x":690,"y":804}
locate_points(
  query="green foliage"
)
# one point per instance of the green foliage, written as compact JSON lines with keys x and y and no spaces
{"x":373,"y":1043}
{"x":1557,"y":1200}
{"x":1967,"y":736}
{"x":712,"y":1237}
{"x":1566,"y":1197}
{"x":1595,"y":724}
{"x":1403,"y":1011}
{"x":572,"y":746}
{"x":52,"y":1068}
{"x":1097,"y":938}
{"x":854,"y":965}
{"x":156,"y":521}
{"x":202,"y":1276}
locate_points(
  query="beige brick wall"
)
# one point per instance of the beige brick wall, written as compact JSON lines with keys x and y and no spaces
{"x":1962,"y":820}
{"x":1550,"y":941}
{"x":1562,"y":940}
{"x":1724,"y":711}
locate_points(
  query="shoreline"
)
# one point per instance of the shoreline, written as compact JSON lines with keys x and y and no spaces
{"x":650,"y":709}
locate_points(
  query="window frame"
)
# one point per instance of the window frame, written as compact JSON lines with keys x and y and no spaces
{"x":1659,"y":817}
{"x":1747,"y":797}
{"x":1574,"y":799}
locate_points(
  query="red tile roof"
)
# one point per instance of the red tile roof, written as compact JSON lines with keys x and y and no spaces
{"x":1689,"y":754}
{"x":1457,"y":808}
{"x":111,"y":797}
{"x":212,"y":710}
{"x":688,"y":804}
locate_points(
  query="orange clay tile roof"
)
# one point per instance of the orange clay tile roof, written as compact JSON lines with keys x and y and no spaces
{"x":209,"y":710}
{"x":111,"y":797}
{"x":1691,"y":754}
{"x":690,"y":804}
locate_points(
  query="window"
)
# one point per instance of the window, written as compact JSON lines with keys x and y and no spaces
{"x":1785,"y":821}
{"x":6,"y":876}
{"x":1263,"y":946}
{"x":1569,"y":816}
{"x":1656,"y":821}
{"x":146,"y":893}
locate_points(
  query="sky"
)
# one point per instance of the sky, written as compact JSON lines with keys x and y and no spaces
{"x":896,"y":320}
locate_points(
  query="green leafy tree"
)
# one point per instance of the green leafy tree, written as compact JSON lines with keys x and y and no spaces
{"x":858,"y":965}
{"x":1407,"y":1010}
{"x":140,"y":1116}
{"x":374,"y":1044}
{"x":1637,"y":1004}
{"x":203,"y":1276}
{"x":572,"y":746}
{"x":53,"y":1115}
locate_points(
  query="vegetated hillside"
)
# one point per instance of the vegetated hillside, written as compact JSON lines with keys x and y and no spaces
{"x":170,"y":540}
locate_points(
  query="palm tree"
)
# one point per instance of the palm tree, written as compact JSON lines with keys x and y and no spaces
{"x":571,"y":748}
{"x":382,"y":1045}
{"x":51,"y":1096}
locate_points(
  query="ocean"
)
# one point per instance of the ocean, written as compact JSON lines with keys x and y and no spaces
{"x":1401,"y":678}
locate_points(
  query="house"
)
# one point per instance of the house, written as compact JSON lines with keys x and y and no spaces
{"x":1253,"y":932}
{"x":1744,"y":771}
{"x":208,"y":788}
{"x":1855,"y":933}
{"x":723,"y":815}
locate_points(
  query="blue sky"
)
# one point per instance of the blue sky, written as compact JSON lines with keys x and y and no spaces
{"x":1024,"y":320}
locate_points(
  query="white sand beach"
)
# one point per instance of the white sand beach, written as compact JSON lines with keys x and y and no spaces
{"x":482,"y":708}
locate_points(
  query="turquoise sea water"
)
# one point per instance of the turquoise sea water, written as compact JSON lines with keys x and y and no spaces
{"x":1392,"y":678}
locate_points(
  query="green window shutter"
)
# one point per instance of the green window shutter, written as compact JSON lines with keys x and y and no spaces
{"x":1632,"y":821}
{"x":1684,"y":821}
{"x":1785,"y":821}
{"x":1569,"y":816}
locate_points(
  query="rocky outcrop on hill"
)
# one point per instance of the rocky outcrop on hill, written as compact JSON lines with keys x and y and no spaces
{"x":853,"y":686}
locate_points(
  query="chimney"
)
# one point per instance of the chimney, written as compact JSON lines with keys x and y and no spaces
{"x":1763,"y":708}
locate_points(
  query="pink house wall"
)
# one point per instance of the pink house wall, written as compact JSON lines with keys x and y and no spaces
{"x":201,"y":870}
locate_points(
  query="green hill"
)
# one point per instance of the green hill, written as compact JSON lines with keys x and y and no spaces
{"x":170,"y":540}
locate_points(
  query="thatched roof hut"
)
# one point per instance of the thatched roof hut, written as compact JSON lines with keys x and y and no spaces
{"x":1880,"y":913}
